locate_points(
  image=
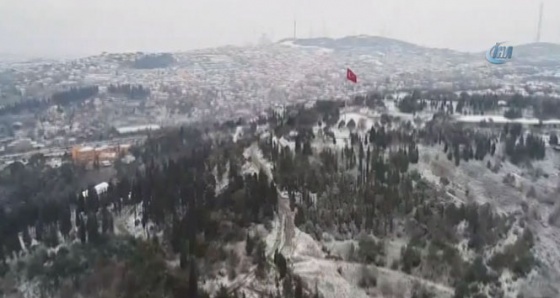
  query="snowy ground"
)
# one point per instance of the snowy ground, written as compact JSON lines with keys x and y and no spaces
{"x":486,"y":186}
{"x":308,"y":261}
{"x":483,"y":185}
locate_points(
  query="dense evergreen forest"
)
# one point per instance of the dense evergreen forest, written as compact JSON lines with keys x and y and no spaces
{"x":175,"y":188}
{"x":370,"y":186}
{"x":478,"y":104}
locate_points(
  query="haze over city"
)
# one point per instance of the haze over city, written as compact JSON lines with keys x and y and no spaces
{"x":59,"y":28}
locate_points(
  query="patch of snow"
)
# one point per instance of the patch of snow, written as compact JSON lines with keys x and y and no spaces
{"x":502,"y":119}
{"x":238,"y":133}
{"x":99,"y":188}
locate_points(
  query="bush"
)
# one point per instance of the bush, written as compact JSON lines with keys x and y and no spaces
{"x":35,"y":265}
{"x":395,"y":265}
{"x":513,"y":114}
{"x":410,"y":258}
{"x":478,"y":272}
{"x":420,"y":291}
{"x":371,"y":251}
{"x":516,"y":257}
{"x":368,"y":278}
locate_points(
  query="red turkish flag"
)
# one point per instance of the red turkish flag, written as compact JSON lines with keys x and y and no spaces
{"x":351,"y":76}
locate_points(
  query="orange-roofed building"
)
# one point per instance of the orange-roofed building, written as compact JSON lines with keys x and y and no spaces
{"x":87,"y":154}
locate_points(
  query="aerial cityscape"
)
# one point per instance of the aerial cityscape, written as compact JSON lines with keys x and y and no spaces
{"x":145,"y":91}
{"x":301,"y":167}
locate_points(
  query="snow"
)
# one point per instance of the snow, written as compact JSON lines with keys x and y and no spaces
{"x":221,"y":182}
{"x":502,"y":119}
{"x":256,"y":161}
{"x":324,"y":275}
{"x":30,"y":289}
{"x":486,"y":186}
{"x":238,"y":133}
{"x":290,"y":43}
{"x":512,"y":285}
{"x":137,"y":128}
{"x":86,"y":149}
{"x":129,"y":222}
{"x":367,"y":121}
{"x":307,"y":259}
{"x":99,"y":188}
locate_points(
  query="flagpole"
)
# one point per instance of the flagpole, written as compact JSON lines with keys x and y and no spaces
{"x":350,"y":76}
{"x":345,"y":84}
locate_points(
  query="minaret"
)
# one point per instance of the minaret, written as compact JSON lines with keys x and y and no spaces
{"x":540,"y":22}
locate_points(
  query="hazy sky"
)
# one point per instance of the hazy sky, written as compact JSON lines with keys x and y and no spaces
{"x":84,"y":27}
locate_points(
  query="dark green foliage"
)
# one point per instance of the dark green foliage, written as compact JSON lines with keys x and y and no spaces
{"x":368,"y":278}
{"x":82,"y":229}
{"x":478,"y":272}
{"x":298,"y":292}
{"x":92,"y":227}
{"x":106,"y":221}
{"x":411,"y":104}
{"x":516,"y":257}
{"x":222,"y":292}
{"x":281,"y":264}
{"x":130,"y":91}
{"x":260,"y":259}
{"x":553,"y":141}
{"x":366,"y":187}
{"x":65,"y":220}
{"x":351,"y":124}
{"x":513,"y":114}
{"x":410,"y":258}
{"x":153,"y":61}
{"x":419,"y":291}
{"x":26,"y":237}
{"x":51,"y":236}
{"x":371,"y":251}
{"x":184,"y":256}
{"x":288,"y":287}
{"x":193,"y":280}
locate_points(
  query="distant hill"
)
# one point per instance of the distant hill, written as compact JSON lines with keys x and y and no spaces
{"x":353,"y":42}
{"x":533,"y":53}
{"x":380,"y":56}
{"x":536,"y":54}
{"x":542,"y":52}
{"x":369,"y":43}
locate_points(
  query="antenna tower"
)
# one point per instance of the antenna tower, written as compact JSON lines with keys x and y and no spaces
{"x":540,"y":22}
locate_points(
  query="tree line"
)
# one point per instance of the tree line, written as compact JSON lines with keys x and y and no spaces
{"x":366,"y":186}
{"x":63,"y":98}
{"x":130,"y":91}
